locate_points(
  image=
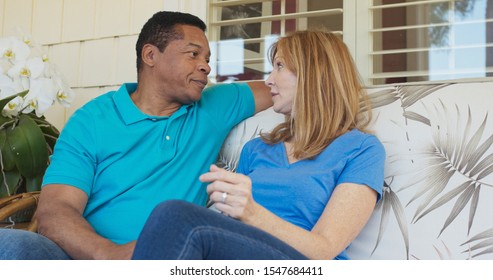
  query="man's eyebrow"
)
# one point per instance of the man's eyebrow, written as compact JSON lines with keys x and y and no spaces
{"x":195,"y":45}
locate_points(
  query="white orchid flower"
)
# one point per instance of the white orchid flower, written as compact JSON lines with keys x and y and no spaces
{"x":24,"y":66}
{"x":22,"y":72}
{"x":31,"y":68}
{"x":4,"y":66}
{"x":13,"y":49}
{"x":65,"y":95}
{"x":41,"y":96}
{"x":13,"y":108}
{"x":7,"y":86}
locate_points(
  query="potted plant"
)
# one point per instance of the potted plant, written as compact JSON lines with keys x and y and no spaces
{"x":29,"y":86}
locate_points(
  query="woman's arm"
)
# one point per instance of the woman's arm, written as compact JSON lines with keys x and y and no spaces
{"x":346,"y":213}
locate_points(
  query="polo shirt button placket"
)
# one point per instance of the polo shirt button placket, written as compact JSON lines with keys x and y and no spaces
{"x":168,"y":150}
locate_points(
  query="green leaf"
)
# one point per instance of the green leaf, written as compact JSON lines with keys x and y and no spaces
{"x":34,"y":184}
{"x":8,"y":159}
{"x":4,"y":120}
{"x":50,"y":132}
{"x":9,"y":183}
{"x":28,"y":145}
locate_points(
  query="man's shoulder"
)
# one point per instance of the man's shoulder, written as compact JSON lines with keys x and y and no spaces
{"x":99,"y":103}
{"x":94,"y":108}
{"x":226,"y":88}
{"x":101,"y":99}
{"x":229,"y":96}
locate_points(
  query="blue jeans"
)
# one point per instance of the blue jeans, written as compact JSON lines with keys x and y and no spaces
{"x":181,"y":230}
{"x":16,"y":244}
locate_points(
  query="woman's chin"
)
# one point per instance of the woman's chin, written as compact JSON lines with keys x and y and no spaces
{"x":281,"y":110}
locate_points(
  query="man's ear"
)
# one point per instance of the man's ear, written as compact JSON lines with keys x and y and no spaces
{"x":148,"y":54}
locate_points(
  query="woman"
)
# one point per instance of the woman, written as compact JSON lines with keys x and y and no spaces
{"x":306,"y":189}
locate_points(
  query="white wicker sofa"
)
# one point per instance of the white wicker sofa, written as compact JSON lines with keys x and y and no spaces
{"x":438,"y":188}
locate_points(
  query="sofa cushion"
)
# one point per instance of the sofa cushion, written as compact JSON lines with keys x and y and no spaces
{"x":438,"y":174}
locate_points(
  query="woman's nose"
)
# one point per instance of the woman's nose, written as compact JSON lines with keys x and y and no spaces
{"x":269,"y":81}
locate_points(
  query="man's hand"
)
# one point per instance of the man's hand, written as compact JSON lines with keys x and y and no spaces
{"x":120,"y":252}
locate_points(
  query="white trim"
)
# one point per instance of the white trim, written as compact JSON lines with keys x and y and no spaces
{"x":277,"y":17}
{"x":363,"y":41}
{"x":349,"y":26}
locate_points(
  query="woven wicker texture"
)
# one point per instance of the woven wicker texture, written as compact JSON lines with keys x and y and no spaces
{"x":19,"y":209}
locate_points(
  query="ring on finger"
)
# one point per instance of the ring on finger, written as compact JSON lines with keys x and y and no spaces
{"x":223,"y":197}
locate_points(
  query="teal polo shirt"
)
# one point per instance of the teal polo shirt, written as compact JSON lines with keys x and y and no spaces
{"x":127,"y":162}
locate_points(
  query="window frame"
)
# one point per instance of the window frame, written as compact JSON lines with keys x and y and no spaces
{"x":357,"y":30}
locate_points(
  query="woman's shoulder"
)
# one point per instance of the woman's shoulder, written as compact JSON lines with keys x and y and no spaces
{"x":359,"y":138}
{"x":259,"y":146}
{"x":358,"y":134}
{"x":255,"y":143}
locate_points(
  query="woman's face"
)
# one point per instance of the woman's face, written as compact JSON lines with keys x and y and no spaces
{"x":282,"y":83}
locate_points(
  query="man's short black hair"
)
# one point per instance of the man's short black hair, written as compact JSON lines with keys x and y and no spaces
{"x":159,"y":30}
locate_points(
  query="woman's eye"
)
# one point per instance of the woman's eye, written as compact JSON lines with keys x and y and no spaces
{"x":279,"y":65}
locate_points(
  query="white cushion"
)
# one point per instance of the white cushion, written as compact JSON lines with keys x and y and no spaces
{"x":437,"y":138}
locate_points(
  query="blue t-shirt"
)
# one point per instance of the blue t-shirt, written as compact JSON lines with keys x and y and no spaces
{"x":299,"y":192}
{"x":127,"y":162}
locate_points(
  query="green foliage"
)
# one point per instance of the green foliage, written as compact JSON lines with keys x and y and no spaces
{"x":26,"y":142}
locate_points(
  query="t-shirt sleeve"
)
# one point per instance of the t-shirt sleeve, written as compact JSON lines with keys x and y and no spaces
{"x":366,"y":167}
{"x":244,"y":160}
{"x":73,"y":161}
{"x":228,"y":103}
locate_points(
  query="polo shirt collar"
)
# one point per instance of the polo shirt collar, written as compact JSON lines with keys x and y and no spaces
{"x":130,"y":113}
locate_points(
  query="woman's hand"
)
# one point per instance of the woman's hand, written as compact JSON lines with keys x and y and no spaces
{"x":231,"y":192}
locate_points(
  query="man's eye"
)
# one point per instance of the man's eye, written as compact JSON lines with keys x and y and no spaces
{"x":194,"y":54}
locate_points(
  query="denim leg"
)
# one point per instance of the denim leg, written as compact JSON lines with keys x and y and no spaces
{"x":24,"y":245}
{"x":181,"y":230}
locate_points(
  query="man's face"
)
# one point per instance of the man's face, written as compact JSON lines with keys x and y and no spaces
{"x":183,"y":67}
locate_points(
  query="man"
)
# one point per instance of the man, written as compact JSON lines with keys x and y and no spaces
{"x":125,"y":151}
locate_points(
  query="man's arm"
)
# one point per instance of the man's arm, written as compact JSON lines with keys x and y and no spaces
{"x":59,"y":217}
{"x":261,"y":93}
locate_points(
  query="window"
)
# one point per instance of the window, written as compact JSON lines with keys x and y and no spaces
{"x":391,"y":40}
{"x":242,"y":31}
{"x":430,"y":40}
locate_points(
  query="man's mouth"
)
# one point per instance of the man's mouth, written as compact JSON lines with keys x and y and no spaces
{"x":201,"y":83}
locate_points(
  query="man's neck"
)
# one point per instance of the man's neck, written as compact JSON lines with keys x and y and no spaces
{"x":152,"y":103}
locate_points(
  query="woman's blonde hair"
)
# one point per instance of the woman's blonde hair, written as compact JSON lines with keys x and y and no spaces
{"x":330,"y":97}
